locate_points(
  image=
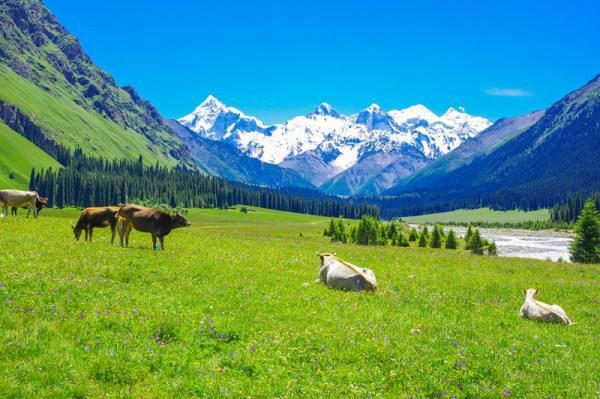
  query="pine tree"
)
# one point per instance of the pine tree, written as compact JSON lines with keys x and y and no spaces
{"x":422,"y":239}
{"x":468,"y":235}
{"x":451,"y":240}
{"x":491,"y":249}
{"x":436,"y":238}
{"x":475,"y":243}
{"x":414,"y":236}
{"x":586,"y":245}
{"x":402,"y":240}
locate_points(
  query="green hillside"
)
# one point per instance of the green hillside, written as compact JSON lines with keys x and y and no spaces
{"x":71,"y":125}
{"x":18,"y":155}
{"x":47,"y":75}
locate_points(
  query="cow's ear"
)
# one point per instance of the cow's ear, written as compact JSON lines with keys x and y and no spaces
{"x":536,"y":292}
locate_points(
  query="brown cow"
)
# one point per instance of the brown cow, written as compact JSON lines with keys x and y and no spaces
{"x":149,"y":220}
{"x":96,"y":217}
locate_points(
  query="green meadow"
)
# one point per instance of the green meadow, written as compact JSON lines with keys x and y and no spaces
{"x":480,"y":215}
{"x":230,"y":309}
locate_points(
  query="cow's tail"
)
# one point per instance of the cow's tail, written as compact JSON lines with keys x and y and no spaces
{"x":120,"y":213}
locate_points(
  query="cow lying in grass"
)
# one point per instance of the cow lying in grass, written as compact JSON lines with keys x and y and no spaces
{"x":534,"y":309}
{"x":339,"y":274}
{"x":148,"y":220}
{"x":96,"y":217}
{"x":29,"y":200}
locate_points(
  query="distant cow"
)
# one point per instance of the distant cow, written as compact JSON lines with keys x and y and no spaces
{"x":39,"y":204}
{"x":339,"y":274}
{"x":148,"y":220}
{"x":96,"y":217}
{"x":29,"y":200}
{"x":534,"y":309}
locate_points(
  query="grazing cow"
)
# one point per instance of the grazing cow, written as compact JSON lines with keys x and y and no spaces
{"x":148,"y":220}
{"x":40,"y":203}
{"x":96,"y":217}
{"x":339,"y":274}
{"x":534,"y":309}
{"x":22,"y":199}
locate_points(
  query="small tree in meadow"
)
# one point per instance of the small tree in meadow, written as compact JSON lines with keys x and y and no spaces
{"x":586,"y":245}
{"x":402,"y":240}
{"x":422,"y":240}
{"x":451,"y":242}
{"x":436,"y":238}
{"x":468,"y":236}
{"x":414,"y":235}
{"x":476,"y":243}
{"x":491,"y":249}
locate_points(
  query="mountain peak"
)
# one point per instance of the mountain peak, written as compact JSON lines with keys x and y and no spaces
{"x":325,"y":110}
{"x":373,"y":108}
{"x":211,"y":101}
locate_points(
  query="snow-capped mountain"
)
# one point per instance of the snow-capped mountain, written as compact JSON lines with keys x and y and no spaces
{"x":324,"y":145}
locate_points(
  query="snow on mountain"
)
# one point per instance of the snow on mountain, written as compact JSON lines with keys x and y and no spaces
{"x":333,"y":141}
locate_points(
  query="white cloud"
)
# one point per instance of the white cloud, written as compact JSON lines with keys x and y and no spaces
{"x":513,"y":92}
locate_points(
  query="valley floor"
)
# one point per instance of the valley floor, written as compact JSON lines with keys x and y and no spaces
{"x":224,"y":311}
{"x":482,"y":215}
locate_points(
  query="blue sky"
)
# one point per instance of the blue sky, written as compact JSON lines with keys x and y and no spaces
{"x":277,"y":59}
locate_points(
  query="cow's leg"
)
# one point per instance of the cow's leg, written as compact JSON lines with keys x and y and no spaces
{"x":112,"y":238}
{"x":153,"y":241}
{"x":162,"y":242}
{"x":13,"y":211}
{"x":28,"y":212}
{"x":35,"y":212}
{"x":127,"y":232}
{"x":86,"y":232}
{"x":91,"y":233}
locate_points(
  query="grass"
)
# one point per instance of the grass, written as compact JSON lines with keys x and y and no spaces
{"x":480,"y":215}
{"x":18,"y":155}
{"x":224,"y":312}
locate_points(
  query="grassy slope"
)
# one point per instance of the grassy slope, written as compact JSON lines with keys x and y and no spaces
{"x":479,"y":215}
{"x":71,"y":125}
{"x":114,"y":322}
{"x":19,"y":155}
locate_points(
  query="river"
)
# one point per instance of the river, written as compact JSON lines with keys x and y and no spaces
{"x":540,"y":244}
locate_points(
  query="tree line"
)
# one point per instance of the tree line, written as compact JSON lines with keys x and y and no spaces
{"x":370,"y":231}
{"x":86,"y":181}
{"x":568,"y":210}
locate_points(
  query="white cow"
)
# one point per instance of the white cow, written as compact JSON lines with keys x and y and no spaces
{"x":22,"y":199}
{"x":534,"y":309}
{"x":341,"y":275}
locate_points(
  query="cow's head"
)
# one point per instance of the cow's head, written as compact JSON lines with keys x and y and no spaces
{"x":179,"y":220}
{"x":41,"y":202}
{"x":76,"y":232}
{"x":531,"y":293}
{"x":324,"y":256}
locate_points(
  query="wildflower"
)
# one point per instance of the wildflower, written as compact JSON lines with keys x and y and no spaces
{"x":251,"y":350}
{"x":462,"y":365}
{"x":506,"y":393}
{"x":454,"y":344}
{"x":86,"y":348}
{"x":81,"y":315}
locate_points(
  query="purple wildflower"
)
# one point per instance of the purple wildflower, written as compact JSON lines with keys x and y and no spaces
{"x":506,"y":393}
{"x":86,"y":348}
{"x":251,"y":350}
